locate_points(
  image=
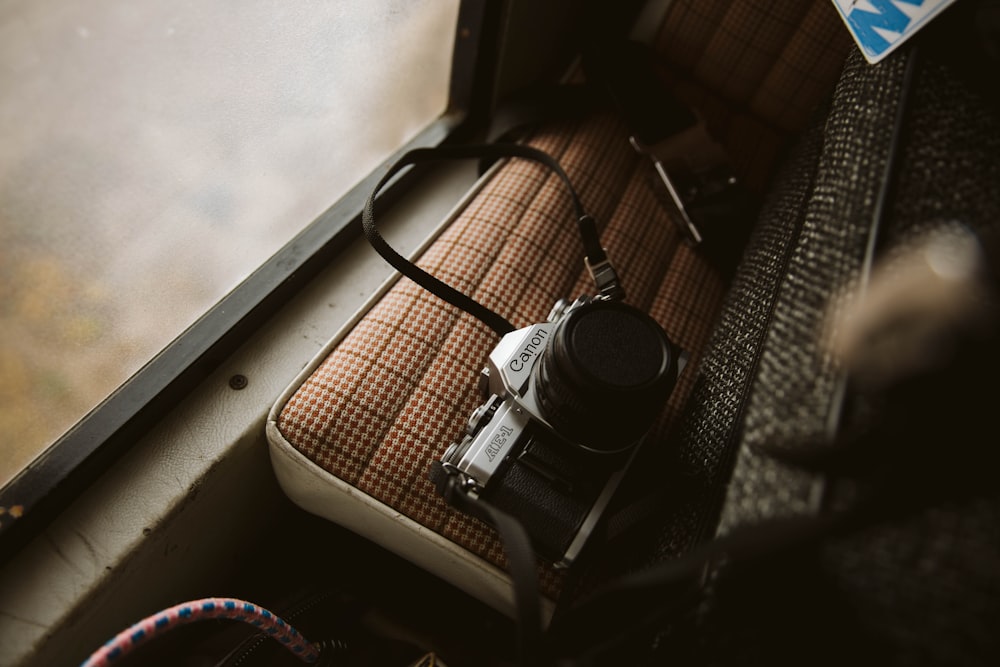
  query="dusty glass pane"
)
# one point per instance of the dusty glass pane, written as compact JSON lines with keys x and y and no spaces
{"x":154,"y":153}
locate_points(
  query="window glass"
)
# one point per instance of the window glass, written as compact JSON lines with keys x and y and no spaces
{"x":154,"y":153}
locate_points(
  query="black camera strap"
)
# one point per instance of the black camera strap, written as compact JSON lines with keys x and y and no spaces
{"x":520,"y":557}
{"x":516,"y":542}
{"x":596,"y":258}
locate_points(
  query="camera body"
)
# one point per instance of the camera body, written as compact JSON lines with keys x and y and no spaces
{"x":566,"y":403}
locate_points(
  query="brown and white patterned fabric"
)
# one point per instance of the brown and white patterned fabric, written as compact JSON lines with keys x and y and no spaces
{"x":353,"y":438}
{"x":398,"y":389}
{"x":756,"y":70}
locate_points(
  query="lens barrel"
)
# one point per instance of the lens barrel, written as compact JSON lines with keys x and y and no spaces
{"x":605,"y":375}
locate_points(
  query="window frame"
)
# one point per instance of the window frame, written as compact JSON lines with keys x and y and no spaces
{"x":66,"y":467}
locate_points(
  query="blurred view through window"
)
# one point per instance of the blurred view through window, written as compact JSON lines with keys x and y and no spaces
{"x":154,"y":153}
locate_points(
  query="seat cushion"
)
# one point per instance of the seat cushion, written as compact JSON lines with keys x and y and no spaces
{"x":755,"y":71}
{"x":353,"y":438}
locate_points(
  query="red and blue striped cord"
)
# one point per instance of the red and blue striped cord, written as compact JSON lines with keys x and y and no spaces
{"x":197,"y":610}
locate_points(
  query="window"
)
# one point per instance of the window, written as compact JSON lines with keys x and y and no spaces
{"x":154,"y":155}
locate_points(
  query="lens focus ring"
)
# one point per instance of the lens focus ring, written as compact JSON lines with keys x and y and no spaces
{"x":605,"y":375}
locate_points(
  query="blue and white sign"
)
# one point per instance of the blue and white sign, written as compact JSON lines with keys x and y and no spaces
{"x":880,"y":26}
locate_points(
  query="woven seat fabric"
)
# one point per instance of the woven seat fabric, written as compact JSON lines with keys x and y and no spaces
{"x":755,"y":71}
{"x":398,"y":389}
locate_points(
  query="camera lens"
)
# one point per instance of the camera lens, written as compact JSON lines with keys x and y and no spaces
{"x":605,"y":375}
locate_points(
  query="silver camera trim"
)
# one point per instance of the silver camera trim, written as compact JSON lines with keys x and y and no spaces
{"x":500,"y":421}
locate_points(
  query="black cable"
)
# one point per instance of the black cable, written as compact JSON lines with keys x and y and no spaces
{"x":587,"y":226}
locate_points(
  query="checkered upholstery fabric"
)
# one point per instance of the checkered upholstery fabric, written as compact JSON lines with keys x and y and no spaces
{"x":399,"y":388}
{"x":755,"y":69}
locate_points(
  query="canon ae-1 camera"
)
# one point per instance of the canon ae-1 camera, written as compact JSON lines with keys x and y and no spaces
{"x":566,"y":403}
